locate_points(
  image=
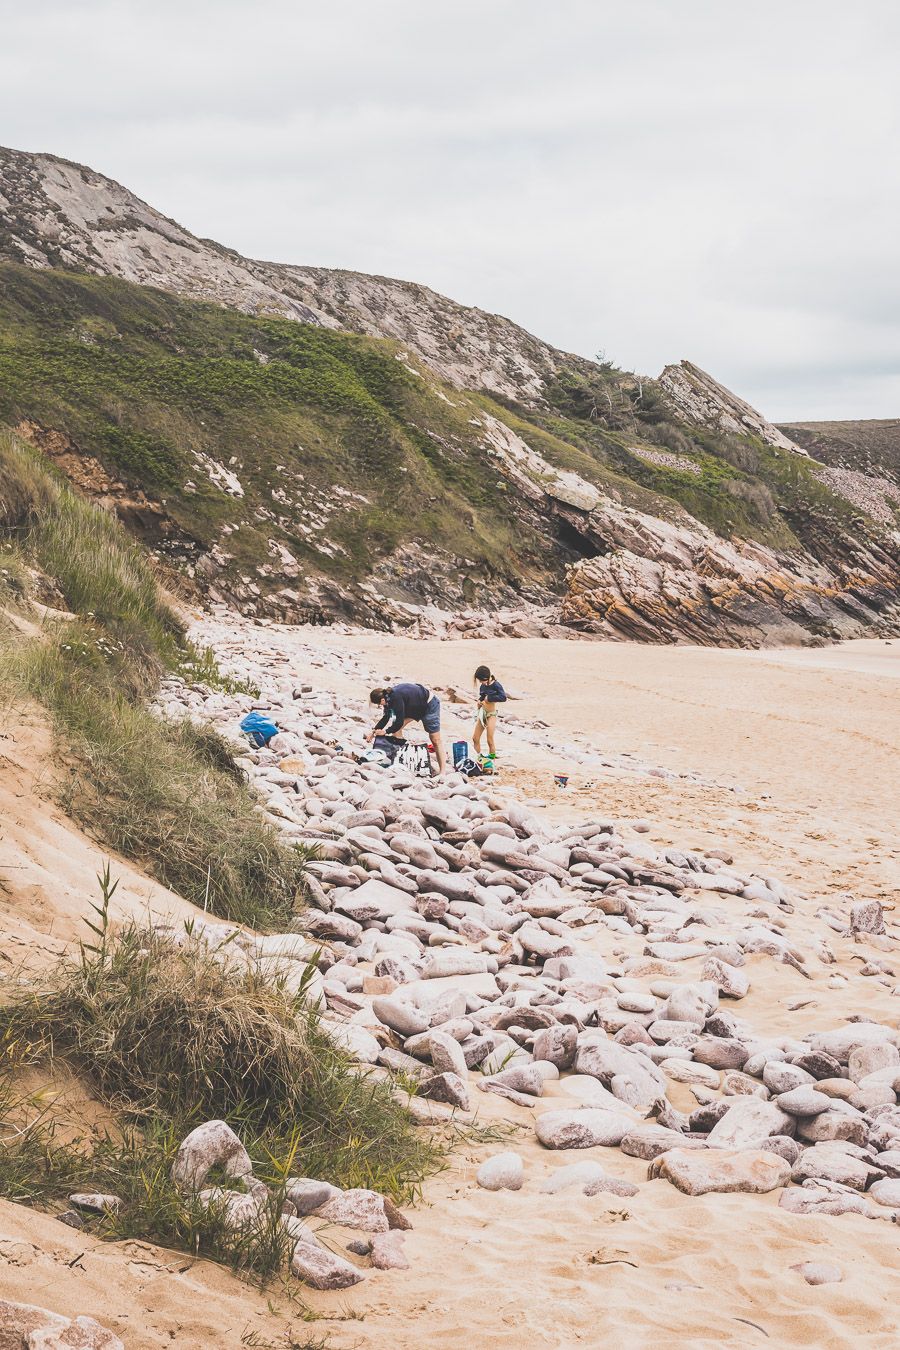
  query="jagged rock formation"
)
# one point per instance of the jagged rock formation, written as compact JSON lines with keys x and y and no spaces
{"x":701,"y":400}
{"x":660,"y":582}
{"x":297,"y":471}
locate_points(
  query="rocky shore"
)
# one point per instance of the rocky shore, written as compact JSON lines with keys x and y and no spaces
{"x":466,"y":944}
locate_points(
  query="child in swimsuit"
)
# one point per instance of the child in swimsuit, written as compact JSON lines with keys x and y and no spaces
{"x":490,"y":693}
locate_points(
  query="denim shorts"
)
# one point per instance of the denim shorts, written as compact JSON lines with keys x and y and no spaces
{"x":431,"y":721}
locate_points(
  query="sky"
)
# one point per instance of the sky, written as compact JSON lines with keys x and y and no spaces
{"x":700,"y":179}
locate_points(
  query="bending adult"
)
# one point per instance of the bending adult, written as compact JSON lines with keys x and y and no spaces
{"x":406,"y":703}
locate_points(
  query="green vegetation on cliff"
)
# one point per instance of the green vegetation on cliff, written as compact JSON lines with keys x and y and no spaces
{"x":268,"y":441}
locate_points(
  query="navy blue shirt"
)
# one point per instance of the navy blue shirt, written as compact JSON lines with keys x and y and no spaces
{"x":492,"y":693}
{"x":404,"y":701}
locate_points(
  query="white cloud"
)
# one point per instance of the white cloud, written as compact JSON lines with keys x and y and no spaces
{"x":655,"y":179}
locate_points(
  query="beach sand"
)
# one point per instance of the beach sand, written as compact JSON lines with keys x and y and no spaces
{"x":797,"y":753}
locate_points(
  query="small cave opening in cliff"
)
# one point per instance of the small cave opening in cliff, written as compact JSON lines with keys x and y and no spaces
{"x":576,"y":544}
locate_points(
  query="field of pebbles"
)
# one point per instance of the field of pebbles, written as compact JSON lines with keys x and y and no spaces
{"x":465,"y":944}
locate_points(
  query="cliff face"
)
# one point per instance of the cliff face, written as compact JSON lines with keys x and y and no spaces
{"x":660,"y":582}
{"x":442,"y":458}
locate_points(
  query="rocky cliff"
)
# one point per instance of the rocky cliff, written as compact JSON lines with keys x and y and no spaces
{"x":309,"y":443}
{"x":702,"y":401}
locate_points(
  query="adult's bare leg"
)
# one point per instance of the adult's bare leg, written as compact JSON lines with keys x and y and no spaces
{"x":438,"y":743}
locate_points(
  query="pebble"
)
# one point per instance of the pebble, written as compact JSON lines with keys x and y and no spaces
{"x":321,"y":1268}
{"x":586,"y":1128}
{"x":26,"y":1325}
{"x":819,"y":1272}
{"x":388,"y":1253}
{"x":697,"y":1172}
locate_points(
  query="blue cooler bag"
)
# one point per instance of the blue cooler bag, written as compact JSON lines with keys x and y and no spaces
{"x":460,"y":752}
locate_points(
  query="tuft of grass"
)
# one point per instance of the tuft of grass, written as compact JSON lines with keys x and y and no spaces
{"x":39,"y":1170}
{"x":199,"y":666}
{"x":170,"y":1035}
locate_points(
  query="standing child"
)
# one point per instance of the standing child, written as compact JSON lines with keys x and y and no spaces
{"x":490,"y":693}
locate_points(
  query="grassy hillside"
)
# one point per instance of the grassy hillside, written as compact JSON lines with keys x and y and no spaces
{"x":872,"y":445}
{"x":268,"y":440}
{"x":342,"y":452}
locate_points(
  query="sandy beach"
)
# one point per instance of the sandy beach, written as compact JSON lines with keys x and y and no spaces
{"x":791,"y":765}
{"x":798,"y":747}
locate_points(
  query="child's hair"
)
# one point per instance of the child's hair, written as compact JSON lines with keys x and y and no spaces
{"x":378,"y":695}
{"x":483,"y":673}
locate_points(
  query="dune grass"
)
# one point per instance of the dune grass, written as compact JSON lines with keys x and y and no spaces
{"x":173,"y":1031}
{"x":168,"y":1035}
{"x":168,"y":795}
{"x":99,"y":572}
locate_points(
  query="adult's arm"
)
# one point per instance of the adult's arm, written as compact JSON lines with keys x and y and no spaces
{"x":396,"y":710}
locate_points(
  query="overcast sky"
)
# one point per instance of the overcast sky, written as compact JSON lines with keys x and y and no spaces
{"x":654,"y":179}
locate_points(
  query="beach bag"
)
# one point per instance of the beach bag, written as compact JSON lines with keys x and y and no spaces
{"x":415,"y":759}
{"x":470,"y":768}
{"x":258,"y":729}
{"x":387,"y":746}
{"x":460,"y":752}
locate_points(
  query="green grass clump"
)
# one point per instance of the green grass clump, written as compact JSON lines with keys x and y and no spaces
{"x":170,"y":1036}
{"x":199,"y":666}
{"x":39,"y":1169}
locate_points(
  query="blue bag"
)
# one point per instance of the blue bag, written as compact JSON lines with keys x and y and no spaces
{"x":259,"y":729}
{"x":460,"y":752}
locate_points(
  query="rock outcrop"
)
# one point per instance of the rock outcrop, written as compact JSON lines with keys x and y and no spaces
{"x":701,"y":400}
{"x":653,"y":580}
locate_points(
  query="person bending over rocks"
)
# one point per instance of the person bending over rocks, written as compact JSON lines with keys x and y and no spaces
{"x":405,"y":703}
{"x":490,"y":693}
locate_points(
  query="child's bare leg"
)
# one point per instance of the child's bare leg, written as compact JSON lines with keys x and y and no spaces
{"x":491,"y":724}
{"x":476,"y":736}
